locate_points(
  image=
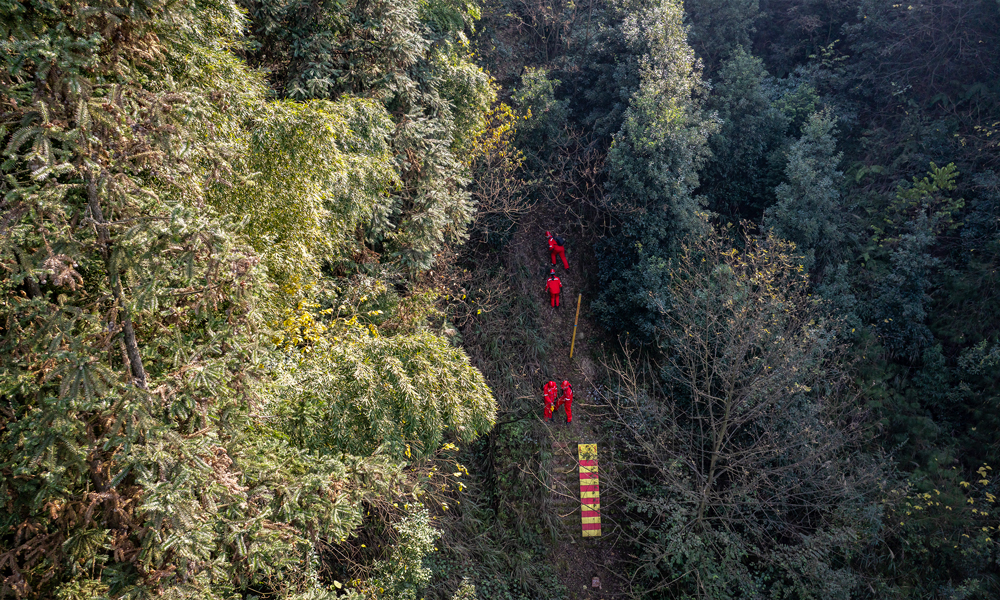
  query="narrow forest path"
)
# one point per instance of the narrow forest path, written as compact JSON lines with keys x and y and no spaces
{"x":576,"y":560}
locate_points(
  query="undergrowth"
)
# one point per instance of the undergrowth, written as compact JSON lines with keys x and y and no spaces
{"x":498,"y":536}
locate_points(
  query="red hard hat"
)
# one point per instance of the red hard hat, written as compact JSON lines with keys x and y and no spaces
{"x":552,"y":271}
{"x":565,"y":383}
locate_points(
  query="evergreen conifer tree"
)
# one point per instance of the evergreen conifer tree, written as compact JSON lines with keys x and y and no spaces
{"x":808,"y":211}
{"x":652,"y":168}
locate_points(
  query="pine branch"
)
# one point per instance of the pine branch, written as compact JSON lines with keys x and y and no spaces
{"x":114,"y":280}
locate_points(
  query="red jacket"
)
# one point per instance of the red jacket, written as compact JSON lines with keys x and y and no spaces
{"x":553,"y":285}
{"x":549,"y":392}
{"x":567,"y":390}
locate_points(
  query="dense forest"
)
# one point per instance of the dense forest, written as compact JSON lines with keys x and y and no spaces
{"x":272,"y":321}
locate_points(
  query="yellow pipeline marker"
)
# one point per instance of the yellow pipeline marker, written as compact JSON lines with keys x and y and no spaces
{"x":590,"y":491}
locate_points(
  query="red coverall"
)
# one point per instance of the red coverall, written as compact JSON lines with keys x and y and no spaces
{"x":554,"y":286}
{"x":567,"y":399}
{"x":557,"y":250}
{"x":549,"y":393}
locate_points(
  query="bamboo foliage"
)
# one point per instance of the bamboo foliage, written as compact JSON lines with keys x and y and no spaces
{"x":414,"y":59}
{"x":363,"y":393}
{"x":147,"y":229}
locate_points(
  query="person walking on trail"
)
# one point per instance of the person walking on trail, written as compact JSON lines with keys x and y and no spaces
{"x":549,"y":393}
{"x":557,"y":247}
{"x":566,"y":400}
{"x":553,"y":285}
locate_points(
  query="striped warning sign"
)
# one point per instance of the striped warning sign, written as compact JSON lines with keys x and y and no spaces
{"x":590,"y":491}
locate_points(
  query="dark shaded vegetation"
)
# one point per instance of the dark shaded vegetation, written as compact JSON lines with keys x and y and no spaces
{"x":865,"y":133}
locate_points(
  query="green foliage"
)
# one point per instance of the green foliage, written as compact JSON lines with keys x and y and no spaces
{"x":720,"y":29}
{"x":413,"y":58}
{"x":735,"y":180}
{"x":798,"y":101}
{"x":926,"y":196}
{"x":906,"y":86}
{"x":905,"y":239}
{"x":936,"y":399}
{"x":358,"y":392}
{"x":216,"y":382}
{"x":498,"y":532}
{"x":402,"y":574}
{"x":145,"y":179}
{"x":466,"y":592}
{"x":605,"y":73}
{"x":744,"y":472}
{"x":497,"y":188}
{"x":903,"y":297}
{"x":544,"y":129}
{"x":321,"y":175}
{"x":652,"y":169}
{"x":946,"y":529}
{"x":896,"y":57}
{"x":795,"y":31}
{"x":808,"y":210}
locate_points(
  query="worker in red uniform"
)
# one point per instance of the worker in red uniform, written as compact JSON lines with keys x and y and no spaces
{"x":549,"y":393}
{"x":556,"y":248}
{"x":567,"y":400}
{"x":553,"y":285}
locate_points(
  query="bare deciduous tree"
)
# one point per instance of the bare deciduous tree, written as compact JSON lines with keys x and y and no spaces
{"x":743,"y":454}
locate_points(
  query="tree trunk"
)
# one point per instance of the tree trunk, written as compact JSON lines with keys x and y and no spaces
{"x":114,"y":281}
{"x":716,"y":449}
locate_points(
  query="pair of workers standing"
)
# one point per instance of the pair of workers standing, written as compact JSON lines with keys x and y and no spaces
{"x":557,"y":249}
{"x":549,"y":392}
{"x":553,"y":285}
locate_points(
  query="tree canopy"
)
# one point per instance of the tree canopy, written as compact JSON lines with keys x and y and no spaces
{"x":270,"y":324}
{"x":168,"y":229}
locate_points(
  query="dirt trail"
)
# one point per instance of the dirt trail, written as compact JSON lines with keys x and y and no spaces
{"x":575,"y":559}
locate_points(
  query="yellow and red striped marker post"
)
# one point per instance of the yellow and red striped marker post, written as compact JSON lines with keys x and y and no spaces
{"x":590,"y":491}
